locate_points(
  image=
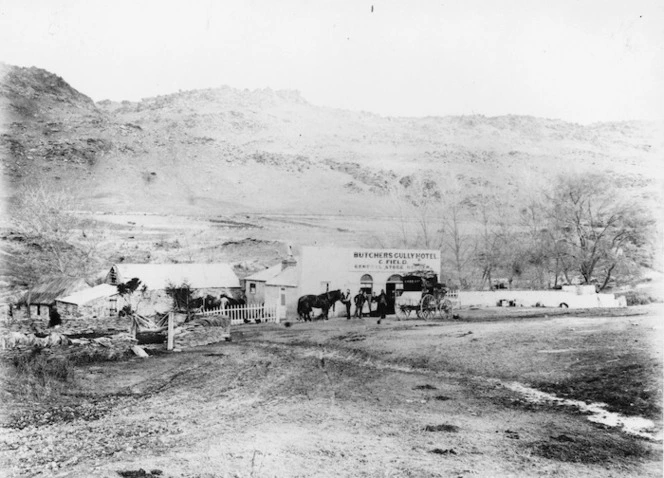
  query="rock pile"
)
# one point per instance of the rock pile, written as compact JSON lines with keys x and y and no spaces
{"x":203,"y":331}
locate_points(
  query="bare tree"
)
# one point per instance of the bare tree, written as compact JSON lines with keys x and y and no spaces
{"x":456,"y":241}
{"x":488,"y":245}
{"x":598,"y":232}
{"x":419,"y":201}
{"x":60,"y":242}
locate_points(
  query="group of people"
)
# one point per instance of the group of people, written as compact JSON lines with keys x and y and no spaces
{"x":364,"y":297}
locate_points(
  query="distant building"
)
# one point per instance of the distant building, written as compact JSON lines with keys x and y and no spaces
{"x":99,"y":301}
{"x":42,"y":297}
{"x":204,"y":279}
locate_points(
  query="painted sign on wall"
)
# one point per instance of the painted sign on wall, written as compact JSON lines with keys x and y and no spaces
{"x":366,"y":260}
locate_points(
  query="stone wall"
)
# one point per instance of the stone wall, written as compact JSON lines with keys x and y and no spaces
{"x":203,"y":331}
{"x":545,"y":298}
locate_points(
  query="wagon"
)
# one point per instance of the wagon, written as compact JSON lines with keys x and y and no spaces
{"x":422,"y":296}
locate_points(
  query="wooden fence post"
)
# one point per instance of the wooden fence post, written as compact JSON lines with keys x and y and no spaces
{"x":171,"y":320}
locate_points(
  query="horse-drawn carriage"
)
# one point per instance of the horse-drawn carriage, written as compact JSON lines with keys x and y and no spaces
{"x":423,"y":295}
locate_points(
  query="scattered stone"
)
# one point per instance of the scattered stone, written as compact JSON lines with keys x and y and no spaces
{"x":139,"y":351}
{"x":425,"y":387}
{"x":448,"y":451}
{"x":445,"y":427}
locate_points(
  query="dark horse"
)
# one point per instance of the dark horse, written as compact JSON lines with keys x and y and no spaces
{"x":322,"y":301}
{"x":227,"y":301}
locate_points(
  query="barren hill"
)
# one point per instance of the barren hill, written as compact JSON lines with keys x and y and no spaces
{"x":224,"y":150}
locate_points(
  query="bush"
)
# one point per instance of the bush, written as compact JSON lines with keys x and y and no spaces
{"x":38,"y":374}
{"x":634,"y":297}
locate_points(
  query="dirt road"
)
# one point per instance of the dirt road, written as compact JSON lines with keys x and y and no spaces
{"x":353,"y":398}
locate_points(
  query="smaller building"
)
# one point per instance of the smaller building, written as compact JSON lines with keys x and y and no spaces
{"x":282,"y":290}
{"x":42,"y":297}
{"x":99,"y":301}
{"x":275,"y":285}
{"x":254,"y":285}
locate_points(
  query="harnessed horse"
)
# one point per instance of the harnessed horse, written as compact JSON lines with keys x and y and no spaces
{"x":322,"y":301}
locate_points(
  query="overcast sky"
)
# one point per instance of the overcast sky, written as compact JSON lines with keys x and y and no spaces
{"x":577,"y":60}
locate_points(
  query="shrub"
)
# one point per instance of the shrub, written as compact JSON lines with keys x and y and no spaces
{"x":37,"y":374}
{"x":634,"y":297}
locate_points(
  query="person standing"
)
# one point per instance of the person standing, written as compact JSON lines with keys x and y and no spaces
{"x":359,"y":304}
{"x":345,"y":300}
{"x":382,"y":305}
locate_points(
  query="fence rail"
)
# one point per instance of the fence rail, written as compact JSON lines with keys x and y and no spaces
{"x":246,"y":314}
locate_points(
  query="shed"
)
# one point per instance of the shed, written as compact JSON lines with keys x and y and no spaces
{"x":42,"y":296}
{"x":282,"y":290}
{"x":255,"y":284}
{"x":98,"y":301}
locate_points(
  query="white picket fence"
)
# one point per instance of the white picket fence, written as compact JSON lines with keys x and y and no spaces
{"x":247,"y":314}
{"x":453,"y":295}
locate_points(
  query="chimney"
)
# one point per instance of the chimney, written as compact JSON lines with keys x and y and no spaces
{"x":289,"y":261}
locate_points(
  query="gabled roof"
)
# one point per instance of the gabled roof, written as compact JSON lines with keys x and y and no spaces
{"x":287,"y":278}
{"x":160,"y":276}
{"x":47,"y":292}
{"x":265,"y":274}
{"x":88,"y":295}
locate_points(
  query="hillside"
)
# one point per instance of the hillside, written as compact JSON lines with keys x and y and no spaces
{"x":224,"y":150}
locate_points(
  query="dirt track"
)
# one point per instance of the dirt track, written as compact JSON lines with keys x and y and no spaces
{"x":353,"y":399}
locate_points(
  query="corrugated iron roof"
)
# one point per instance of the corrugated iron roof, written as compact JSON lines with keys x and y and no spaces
{"x":88,"y":295}
{"x":160,"y":276}
{"x":265,"y":274}
{"x":287,"y":278}
{"x":47,"y":292}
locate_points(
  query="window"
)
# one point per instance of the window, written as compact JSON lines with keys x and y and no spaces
{"x":113,"y":305}
{"x":283,"y":296}
{"x":113,"y":276}
{"x":252,"y":287}
{"x":366,"y":283}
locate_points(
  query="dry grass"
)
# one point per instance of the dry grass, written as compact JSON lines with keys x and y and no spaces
{"x":39,"y":376}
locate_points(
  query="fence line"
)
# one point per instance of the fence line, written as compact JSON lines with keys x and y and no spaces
{"x":245,"y":314}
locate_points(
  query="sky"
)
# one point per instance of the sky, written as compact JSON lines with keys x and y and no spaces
{"x":576,"y":60}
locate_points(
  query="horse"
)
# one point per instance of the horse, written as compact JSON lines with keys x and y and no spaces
{"x":322,"y":301}
{"x":211,"y":302}
{"x":227,"y":301}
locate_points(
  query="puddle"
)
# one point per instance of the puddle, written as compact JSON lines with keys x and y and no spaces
{"x":637,"y":426}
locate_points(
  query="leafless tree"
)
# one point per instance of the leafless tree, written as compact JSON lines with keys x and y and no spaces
{"x":488,"y":244}
{"x":418,"y":201}
{"x":60,"y":242}
{"x":598,"y":231}
{"x":457,"y":241}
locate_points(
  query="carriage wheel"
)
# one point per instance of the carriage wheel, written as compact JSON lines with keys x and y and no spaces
{"x":427,"y":307}
{"x":401,"y":311}
{"x":445,"y":307}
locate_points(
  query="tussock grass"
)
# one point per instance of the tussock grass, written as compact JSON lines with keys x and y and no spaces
{"x":38,"y":375}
